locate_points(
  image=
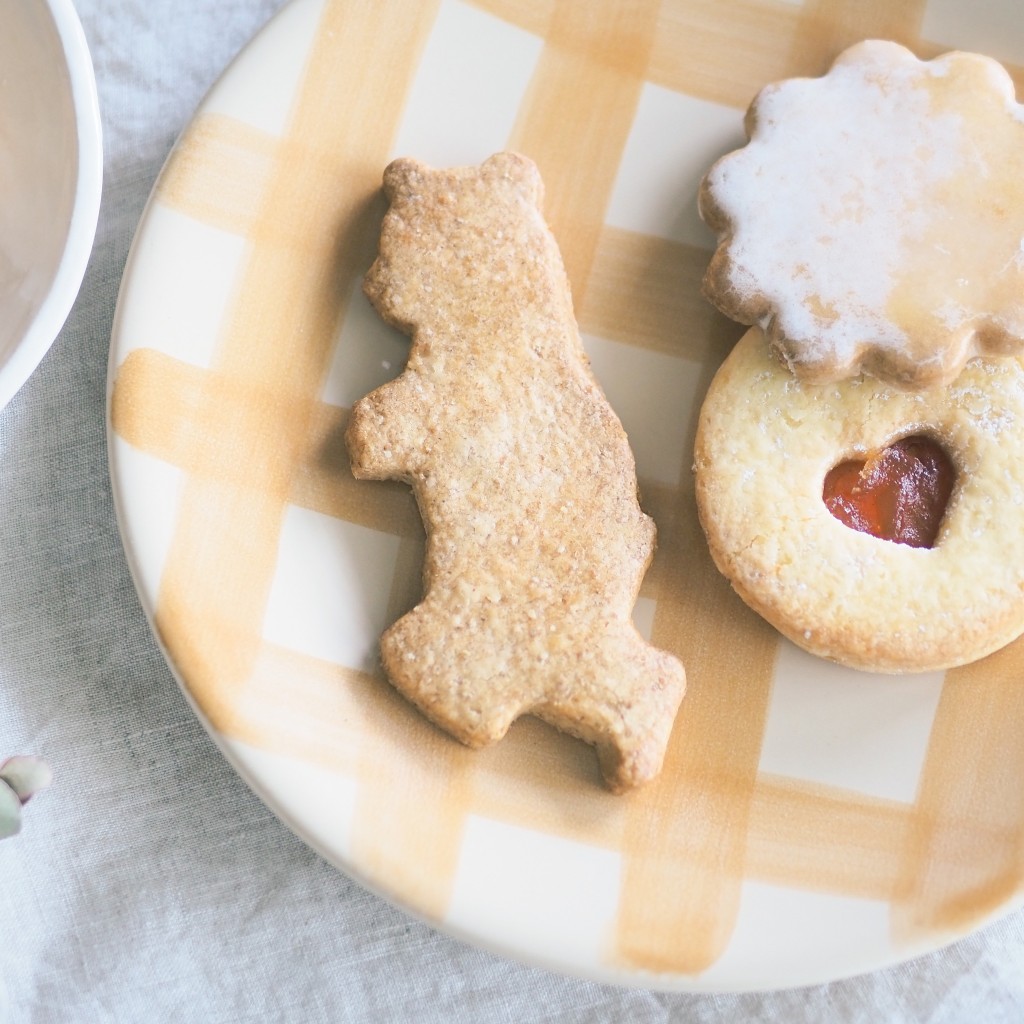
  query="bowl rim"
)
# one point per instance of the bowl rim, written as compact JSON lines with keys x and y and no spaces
{"x":67,"y":280}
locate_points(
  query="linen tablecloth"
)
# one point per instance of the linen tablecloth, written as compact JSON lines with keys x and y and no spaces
{"x":149,"y":883}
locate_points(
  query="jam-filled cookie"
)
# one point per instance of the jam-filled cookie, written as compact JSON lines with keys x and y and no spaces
{"x":798,"y":541}
{"x":874,"y":222}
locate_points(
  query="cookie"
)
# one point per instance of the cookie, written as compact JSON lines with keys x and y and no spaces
{"x":536,"y":542}
{"x":766,"y":442}
{"x":874,"y":222}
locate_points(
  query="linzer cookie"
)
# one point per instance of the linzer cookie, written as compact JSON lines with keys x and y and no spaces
{"x":536,"y":543}
{"x":874,"y":222}
{"x":878,"y":527}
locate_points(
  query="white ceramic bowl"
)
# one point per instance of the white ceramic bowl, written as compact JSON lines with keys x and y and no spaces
{"x":51,"y":172}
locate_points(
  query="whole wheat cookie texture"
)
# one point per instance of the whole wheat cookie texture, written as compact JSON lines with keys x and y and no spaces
{"x":874,"y":222}
{"x":536,"y":542}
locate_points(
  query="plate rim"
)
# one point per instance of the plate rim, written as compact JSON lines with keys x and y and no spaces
{"x":233,"y":750}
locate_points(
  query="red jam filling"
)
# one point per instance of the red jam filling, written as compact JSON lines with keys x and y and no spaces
{"x":899,"y":493}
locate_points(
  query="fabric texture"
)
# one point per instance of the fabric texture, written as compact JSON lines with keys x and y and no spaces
{"x":149,"y":883}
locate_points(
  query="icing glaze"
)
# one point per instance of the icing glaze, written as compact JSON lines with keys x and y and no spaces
{"x":875,"y":220}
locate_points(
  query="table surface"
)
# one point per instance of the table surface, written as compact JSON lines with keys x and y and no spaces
{"x":149,"y":883}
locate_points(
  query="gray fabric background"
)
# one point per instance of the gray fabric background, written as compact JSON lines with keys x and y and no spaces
{"x":149,"y":884}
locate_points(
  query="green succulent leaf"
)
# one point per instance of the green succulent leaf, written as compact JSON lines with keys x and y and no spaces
{"x":26,"y":775}
{"x":10,"y":811}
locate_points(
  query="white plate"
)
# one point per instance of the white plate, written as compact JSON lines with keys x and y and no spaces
{"x":811,"y":822}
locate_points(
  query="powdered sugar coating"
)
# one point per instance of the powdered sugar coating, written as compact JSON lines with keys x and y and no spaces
{"x":875,"y":220}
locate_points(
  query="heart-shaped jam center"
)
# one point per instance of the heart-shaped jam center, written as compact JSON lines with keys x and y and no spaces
{"x":898,"y":493}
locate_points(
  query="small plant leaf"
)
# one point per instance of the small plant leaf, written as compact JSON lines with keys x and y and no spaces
{"x":26,"y":775}
{"x":10,"y":811}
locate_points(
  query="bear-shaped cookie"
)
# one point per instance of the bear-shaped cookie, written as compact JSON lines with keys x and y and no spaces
{"x":875,"y":220}
{"x":536,"y":542}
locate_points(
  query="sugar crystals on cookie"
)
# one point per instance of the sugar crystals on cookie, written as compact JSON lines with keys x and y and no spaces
{"x":536,"y":543}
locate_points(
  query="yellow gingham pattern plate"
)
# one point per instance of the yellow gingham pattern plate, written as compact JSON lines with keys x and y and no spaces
{"x":810,"y":822}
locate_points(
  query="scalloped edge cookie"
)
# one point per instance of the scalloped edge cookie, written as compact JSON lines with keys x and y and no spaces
{"x":874,"y":222}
